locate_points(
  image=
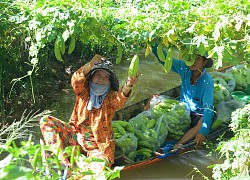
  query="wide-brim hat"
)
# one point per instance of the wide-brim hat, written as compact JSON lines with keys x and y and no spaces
{"x":210,"y":61}
{"x":109,"y":68}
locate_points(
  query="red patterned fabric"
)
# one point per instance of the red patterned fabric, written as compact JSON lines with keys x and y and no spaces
{"x":92,"y":130}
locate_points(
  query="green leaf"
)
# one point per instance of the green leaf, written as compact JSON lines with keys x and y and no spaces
{"x":17,"y":172}
{"x":202,"y":50}
{"x":116,"y":172}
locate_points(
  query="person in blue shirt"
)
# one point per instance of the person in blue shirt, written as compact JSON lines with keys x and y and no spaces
{"x":197,"y":89}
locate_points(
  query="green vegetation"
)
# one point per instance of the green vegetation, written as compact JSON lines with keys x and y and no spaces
{"x":36,"y":33}
{"x":235,"y":151}
{"x":28,"y":159}
{"x":133,"y":68}
{"x":140,"y":136}
{"x":177,"y":116}
{"x":43,"y":41}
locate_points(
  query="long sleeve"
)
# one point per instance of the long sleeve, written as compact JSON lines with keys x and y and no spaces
{"x":80,"y":86}
{"x":208,"y":109}
{"x":177,"y":65}
{"x":78,"y":81}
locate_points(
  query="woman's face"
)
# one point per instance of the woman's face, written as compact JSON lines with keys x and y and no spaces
{"x":199,"y":63}
{"x":101,"y":77}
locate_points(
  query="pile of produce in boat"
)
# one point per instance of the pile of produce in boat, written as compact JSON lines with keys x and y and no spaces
{"x":150,"y":132}
{"x":177,"y":115}
{"x":241,"y":74}
{"x":236,"y":78}
{"x":125,"y":138}
{"x":221,"y":93}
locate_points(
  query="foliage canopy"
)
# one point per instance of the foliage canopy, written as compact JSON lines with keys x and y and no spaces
{"x":36,"y":32}
{"x":220,"y":27}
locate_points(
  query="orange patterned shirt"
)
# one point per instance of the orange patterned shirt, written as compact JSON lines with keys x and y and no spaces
{"x":95,"y":126}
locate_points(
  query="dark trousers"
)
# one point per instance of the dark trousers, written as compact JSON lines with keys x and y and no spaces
{"x":194,"y":119}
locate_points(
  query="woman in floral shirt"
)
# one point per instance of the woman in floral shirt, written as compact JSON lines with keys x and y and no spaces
{"x":97,"y":98}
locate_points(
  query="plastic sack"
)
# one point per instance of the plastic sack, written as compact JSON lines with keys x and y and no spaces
{"x":223,"y":112}
{"x":241,"y":74}
{"x":138,"y":122}
{"x":221,"y":93}
{"x":125,"y":140}
{"x":161,"y":130}
{"x":158,"y":99}
{"x":226,"y":79}
{"x":151,"y":132}
{"x":177,"y":115}
{"x":127,"y":143}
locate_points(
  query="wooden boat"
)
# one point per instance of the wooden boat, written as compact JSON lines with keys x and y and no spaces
{"x":134,"y":109}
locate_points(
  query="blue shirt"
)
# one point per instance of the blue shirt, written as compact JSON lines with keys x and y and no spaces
{"x":199,"y":96}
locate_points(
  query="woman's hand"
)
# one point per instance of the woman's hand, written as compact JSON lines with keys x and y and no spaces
{"x":129,"y":83}
{"x":132,"y":80}
{"x":199,"y":139}
{"x":147,"y":106}
{"x":96,"y":59}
